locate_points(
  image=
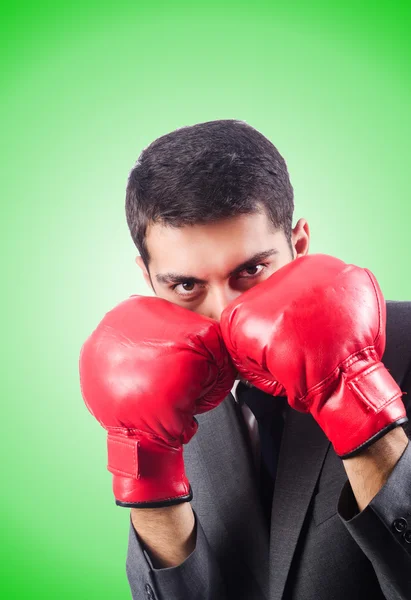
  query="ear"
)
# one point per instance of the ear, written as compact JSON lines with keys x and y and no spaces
{"x":139,"y":262}
{"x":300,"y":238}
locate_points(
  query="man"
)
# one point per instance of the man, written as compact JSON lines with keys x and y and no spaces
{"x":311,"y":500}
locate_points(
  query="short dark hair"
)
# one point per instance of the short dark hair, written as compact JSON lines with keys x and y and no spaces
{"x":204,"y":173}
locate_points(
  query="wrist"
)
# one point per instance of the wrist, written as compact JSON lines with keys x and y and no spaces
{"x":168,"y":534}
{"x":369,"y":471}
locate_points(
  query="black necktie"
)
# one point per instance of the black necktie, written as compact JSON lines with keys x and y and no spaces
{"x":268,"y":411}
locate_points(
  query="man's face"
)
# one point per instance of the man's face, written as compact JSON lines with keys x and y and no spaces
{"x":204,"y":267}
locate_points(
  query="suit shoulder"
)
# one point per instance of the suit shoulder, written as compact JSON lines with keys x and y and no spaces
{"x":397,"y":356}
{"x":399,"y":311}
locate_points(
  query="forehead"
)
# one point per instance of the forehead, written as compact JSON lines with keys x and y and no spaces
{"x":212,"y":249}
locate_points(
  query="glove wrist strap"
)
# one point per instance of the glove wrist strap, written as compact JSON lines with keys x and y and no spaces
{"x":361,"y":409}
{"x":146,"y":472}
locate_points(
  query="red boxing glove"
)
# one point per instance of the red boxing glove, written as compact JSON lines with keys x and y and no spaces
{"x":315,"y":331}
{"x":146,"y":370}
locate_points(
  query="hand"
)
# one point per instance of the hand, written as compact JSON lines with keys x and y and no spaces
{"x":146,"y":370}
{"x":315,"y":331}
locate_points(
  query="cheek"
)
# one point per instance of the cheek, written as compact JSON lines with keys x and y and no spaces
{"x":160,"y":292}
{"x":284,"y":259}
{"x":243,"y":285}
{"x":193,"y":306}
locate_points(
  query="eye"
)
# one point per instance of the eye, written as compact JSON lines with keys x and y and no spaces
{"x":251,"y":271}
{"x":185,"y":288}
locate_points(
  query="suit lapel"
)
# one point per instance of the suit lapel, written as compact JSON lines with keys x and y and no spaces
{"x":223,"y":456}
{"x":302,"y":454}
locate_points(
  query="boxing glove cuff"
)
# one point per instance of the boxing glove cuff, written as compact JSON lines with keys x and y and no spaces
{"x":360,"y":410}
{"x":146,"y":472}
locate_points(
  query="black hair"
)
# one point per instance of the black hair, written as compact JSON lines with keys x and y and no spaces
{"x":204,"y":173}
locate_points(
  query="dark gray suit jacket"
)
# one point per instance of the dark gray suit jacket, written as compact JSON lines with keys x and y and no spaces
{"x":318,"y":548}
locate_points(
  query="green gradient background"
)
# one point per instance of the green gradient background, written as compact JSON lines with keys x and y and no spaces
{"x":83,"y":91}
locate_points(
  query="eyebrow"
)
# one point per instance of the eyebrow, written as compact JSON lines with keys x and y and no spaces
{"x":167,"y":278}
